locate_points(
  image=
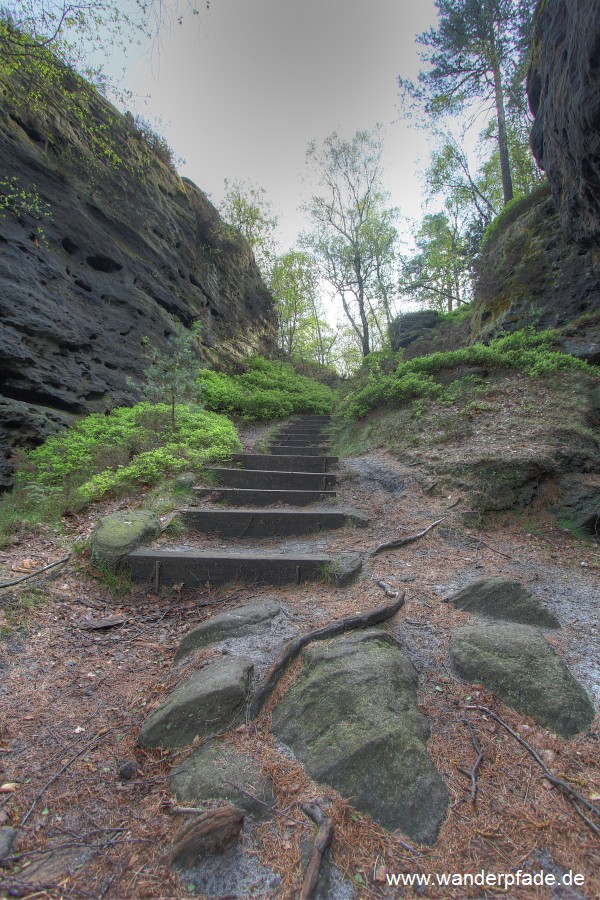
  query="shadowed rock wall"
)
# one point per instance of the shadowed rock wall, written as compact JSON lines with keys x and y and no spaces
{"x":564,"y":95}
{"x":128,"y":250}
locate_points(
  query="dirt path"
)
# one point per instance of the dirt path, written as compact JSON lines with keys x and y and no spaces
{"x":73,"y":701}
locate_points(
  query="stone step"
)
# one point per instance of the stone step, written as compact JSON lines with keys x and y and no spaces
{"x":285,"y":463}
{"x":193,"y":568}
{"x":312,"y":418}
{"x":258,"y":497}
{"x":294,"y":450}
{"x":239,"y":523}
{"x":299,"y":438}
{"x":272,"y":479}
{"x":304,"y":429}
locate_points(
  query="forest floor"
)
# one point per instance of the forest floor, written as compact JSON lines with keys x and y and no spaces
{"x":82,"y":661}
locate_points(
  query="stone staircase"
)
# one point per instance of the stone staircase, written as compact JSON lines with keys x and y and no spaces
{"x":296,"y":472}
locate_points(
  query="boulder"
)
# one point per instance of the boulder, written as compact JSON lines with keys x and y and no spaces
{"x":352,"y":720}
{"x":516,"y":663}
{"x":504,"y":598}
{"x":579,"y":510}
{"x":343,"y":568}
{"x":213,"y":772}
{"x":210,"y":701}
{"x":252,"y":618}
{"x":118,"y":534}
{"x":411,"y":326}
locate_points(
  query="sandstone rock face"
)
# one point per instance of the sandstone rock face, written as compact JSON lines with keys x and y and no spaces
{"x":517,"y":664}
{"x":564,"y":95}
{"x":530,"y":274}
{"x":127,"y":251}
{"x":206,"y":703}
{"x":409,"y":327}
{"x":504,"y":598}
{"x":352,"y":720}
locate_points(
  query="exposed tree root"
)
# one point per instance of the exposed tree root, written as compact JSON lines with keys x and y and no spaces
{"x":401,"y":542}
{"x":293,"y":648}
{"x":322,"y":842}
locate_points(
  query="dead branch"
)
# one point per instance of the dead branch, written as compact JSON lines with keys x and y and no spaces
{"x":56,"y":776}
{"x":493,"y":549}
{"x":472,"y":773}
{"x":293,"y":648}
{"x":211,"y":832}
{"x":59,"y":562}
{"x":272,"y":809}
{"x":322,"y":841}
{"x":573,"y":796}
{"x":401,"y":542}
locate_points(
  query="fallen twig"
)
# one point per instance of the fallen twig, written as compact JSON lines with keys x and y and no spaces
{"x":272,"y":809}
{"x":88,"y":746}
{"x":565,"y":788}
{"x":472,"y":773}
{"x":58,"y":562}
{"x":322,"y":841}
{"x":401,"y":542}
{"x":493,"y":549}
{"x":293,"y":648}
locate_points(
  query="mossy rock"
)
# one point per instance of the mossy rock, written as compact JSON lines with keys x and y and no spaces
{"x":118,"y":534}
{"x":504,"y":598}
{"x":516,"y":663}
{"x":217,"y":772}
{"x":352,"y":720}
{"x":208,"y":702}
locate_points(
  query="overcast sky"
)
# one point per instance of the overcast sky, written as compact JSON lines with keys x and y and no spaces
{"x":242,"y":88}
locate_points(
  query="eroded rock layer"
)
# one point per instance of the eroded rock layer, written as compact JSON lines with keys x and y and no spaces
{"x":564,"y":95}
{"x":127,"y":250}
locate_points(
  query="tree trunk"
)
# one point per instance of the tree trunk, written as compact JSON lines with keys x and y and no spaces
{"x":366,"y":343}
{"x":507,"y":186}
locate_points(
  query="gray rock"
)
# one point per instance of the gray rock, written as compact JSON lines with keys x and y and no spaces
{"x":131,"y":251}
{"x":212,"y":772}
{"x":343,"y":568}
{"x":252,"y":618}
{"x":411,"y":326}
{"x":8,"y":841}
{"x":504,"y":598}
{"x":563,"y":86}
{"x":186,"y":480}
{"x":353,"y":722}
{"x":118,"y":534}
{"x":517,"y":664}
{"x":580,"y":507}
{"x":206,"y":703}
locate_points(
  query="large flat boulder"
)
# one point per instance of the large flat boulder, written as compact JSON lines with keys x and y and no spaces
{"x":118,"y":534}
{"x":252,"y":618}
{"x":523,"y":670}
{"x":217,"y":772}
{"x":210,"y":701}
{"x":504,"y":598}
{"x":352,"y":720}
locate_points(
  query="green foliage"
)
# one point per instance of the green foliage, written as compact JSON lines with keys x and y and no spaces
{"x":24,"y":202}
{"x":137,"y":445}
{"x":525,"y":351}
{"x":268,"y":390}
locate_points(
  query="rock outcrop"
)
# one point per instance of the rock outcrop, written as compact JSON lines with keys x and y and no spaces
{"x":530,"y":275}
{"x":107,"y":247}
{"x":564,"y":95}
